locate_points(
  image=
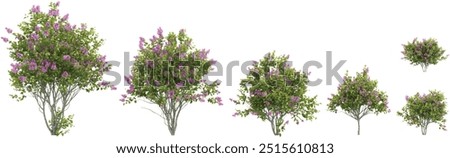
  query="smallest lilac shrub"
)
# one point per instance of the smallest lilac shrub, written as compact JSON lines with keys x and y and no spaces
{"x":424,"y":53}
{"x":423,"y":109}
{"x":276,"y":92}
{"x":53,"y":61}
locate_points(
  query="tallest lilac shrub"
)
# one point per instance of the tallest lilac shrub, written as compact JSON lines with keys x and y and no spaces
{"x":169,"y":72}
{"x":53,"y":61}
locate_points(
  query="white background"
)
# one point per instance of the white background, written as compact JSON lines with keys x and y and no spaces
{"x":363,"y":33}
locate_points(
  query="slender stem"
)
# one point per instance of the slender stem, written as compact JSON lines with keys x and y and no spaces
{"x":359,"y":126}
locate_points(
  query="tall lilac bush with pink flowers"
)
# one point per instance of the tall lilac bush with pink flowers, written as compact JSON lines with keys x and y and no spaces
{"x":168,"y":72}
{"x":53,"y":61}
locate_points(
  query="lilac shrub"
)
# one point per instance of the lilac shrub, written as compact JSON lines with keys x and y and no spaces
{"x":53,"y":61}
{"x":168,"y":72}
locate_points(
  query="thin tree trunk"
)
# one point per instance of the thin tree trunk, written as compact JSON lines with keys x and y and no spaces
{"x":424,"y":67}
{"x":359,"y":125}
{"x":424,"y":129}
{"x":274,"y":128}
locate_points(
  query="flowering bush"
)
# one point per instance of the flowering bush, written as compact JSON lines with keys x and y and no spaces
{"x":358,"y":96}
{"x":275,"y":91}
{"x":423,"y":53}
{"x":168,"y":72}
{"x":421,"y":110}
{"x":54,"y":61}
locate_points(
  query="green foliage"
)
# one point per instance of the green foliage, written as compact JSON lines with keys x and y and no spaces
{"x":53,"y":61}
{"x":61,"y":123}
{"x":276,"y":91}
{"x":168,"y":72}
{"x":426,"y":52}
{"x":421,"y":110}
{"x":358,"y":96}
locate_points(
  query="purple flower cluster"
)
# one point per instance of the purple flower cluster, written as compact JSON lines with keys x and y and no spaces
{"x":65,"y":74}
{"x":141,"y":43}
{"x":66,"y":57}
{"x":219,"y":101}
{"x":85,"y":52}
{"x":5,"y":39}
{"x":15,"y":67}
{"x":202,"y":54}
{"x":32,"y":65}
{"x":53,"y":12}
{"x":259,"y":93}
{"x":36,"y":9}
{"x":8,"y":30}
{"x":295,"y":99}
{"x":65,"y":17}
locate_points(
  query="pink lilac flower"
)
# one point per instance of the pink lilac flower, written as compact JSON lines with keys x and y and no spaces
{"x":34,"y":36}
{"x":157,"y":48}
{"x":131,"y":89}
{"x":212,"y":62}
{"x":83,"y":26}
{"x":235,"y":114}
{"x":36,"y":9}
{"x":56,"y":26}
{"x":30,"y":45}
{"x":66,"y":57}
{"x":53,"y":12}
{"x":85,"y":51}
{"x":67,"y":27}
{"x":65,"y":17}
{"x":171,"y":93}
{"x":191,"y":80}
{"x":37,"y":28}
{"x":160,"y":32}
{"x":22,"y":78}
{"x":46,"y":33}
{"x":141,"y":43}
{"x":5,"y":39}
{"x":179,"y":85}
{"x":149,"y":63}
{"x":8,"y":30}
{"x":65,"y":74}
{"x":219,"y":100}
{"x":15,"y":68}
{"x":113,"y":87}
{"x":122,"y":99}
{"x":127,"y":79}
{"x":124,"y":95}
{"x":44,"y":69}
{"x":153,"y":39}
{"x":32,"y":65}
{"x":102,"y":58}
{"x":203,"y":54}
{"x":19,"y":55}
{"x":57,"y":3}
{"x":295,"y":99}
{"x":104,"y":83}
{"x":53,"y":66}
